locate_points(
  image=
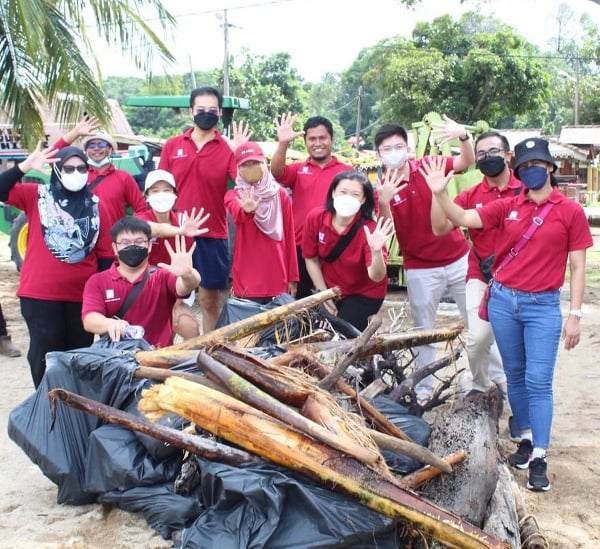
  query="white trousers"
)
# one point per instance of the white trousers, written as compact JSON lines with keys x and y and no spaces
{"x":484,"y":358}
{"x":425,"y":290}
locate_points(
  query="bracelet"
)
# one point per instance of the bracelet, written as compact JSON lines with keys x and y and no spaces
{"x":576,"y":312}
{"x":465,"y":137}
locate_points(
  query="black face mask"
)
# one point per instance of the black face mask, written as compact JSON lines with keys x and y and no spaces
{"x":491,"y":165}
{"x":206,"y":120}
{"x":133,"y":255}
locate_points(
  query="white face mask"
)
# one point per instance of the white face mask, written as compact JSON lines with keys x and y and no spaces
{"x":100,"y":163}
{"x":394,"y":159}
{"x":346,"y":205}
{"x":73,"y":181}
{"x":162,"y":202}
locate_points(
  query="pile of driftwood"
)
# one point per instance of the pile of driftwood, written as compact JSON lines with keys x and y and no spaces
{"x":285,"y":410}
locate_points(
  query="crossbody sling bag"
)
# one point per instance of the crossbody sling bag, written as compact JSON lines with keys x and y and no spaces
{"x":343,"y":242}
{"x":96,"y":182}
{"x":535,"y":223}
{"x":135,"y":291}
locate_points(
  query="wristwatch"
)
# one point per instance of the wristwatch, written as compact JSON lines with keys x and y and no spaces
{"x":465,"y":137}
{"x":576,"y":313}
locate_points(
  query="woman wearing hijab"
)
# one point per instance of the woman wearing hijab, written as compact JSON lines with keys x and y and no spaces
{"x":344,"y":246}
{"x":64,"y":243}
{"x":264,"y":257}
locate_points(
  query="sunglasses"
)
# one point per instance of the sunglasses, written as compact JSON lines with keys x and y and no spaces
{"x":98,"y":145}
{"x":82,"y":168}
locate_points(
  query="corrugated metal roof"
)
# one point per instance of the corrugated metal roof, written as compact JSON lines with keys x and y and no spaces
{"x":580,"y":135}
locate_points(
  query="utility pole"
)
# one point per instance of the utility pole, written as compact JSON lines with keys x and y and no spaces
{"x":225,"y":54}
{"x":577,"y":91}
{"x":358,"y":119}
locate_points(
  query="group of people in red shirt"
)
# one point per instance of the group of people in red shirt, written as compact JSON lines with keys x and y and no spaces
{"x":304,"y":226}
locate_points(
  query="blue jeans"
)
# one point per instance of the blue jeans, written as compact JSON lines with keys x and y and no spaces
{"x":527,"y":327}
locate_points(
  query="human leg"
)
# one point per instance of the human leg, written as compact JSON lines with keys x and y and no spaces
{"x":211,"y":260}
{"x":480,"y":337}
{"x":6,"y":345}
{"x":305,"y":284}
{"x":456,"y":274}
{"x":357,"y":309}
{"x":46,"y":333}
{"x":75,"y":335}
{"x":425,"y":288}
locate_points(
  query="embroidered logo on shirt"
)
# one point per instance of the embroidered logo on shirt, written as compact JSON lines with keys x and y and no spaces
{"x":479,"y":205}
{"x":180,"y":154}
{"x":321,"y":238}
{"x":513,"y":216}
{"x":110,"y":294}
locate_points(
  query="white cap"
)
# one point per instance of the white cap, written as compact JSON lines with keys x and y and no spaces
{"x":159,"y":175}
{"x":99,"y":135}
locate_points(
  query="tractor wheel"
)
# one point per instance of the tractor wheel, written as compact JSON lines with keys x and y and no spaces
{"x":18,"y":240}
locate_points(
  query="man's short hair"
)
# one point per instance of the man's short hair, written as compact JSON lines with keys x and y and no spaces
{"x":485,"y":135}
{"x":315,"y":121}
{"x":206,"y":90}
{"x":389,"y":130}
{"x":130,"y":224}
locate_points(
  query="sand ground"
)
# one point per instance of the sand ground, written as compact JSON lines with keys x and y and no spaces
{"x":568,"y":515}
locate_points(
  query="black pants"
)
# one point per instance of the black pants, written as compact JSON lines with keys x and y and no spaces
{"x":53,"y":326}
{"x":3,"y":331}
{"x":305,"y":284}
{"x":357,"y":309}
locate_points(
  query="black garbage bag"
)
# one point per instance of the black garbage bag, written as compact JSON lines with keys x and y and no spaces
{"x":415,"y":427}
{"x":57,"y":444}
{"x":267,"y":506}
{"x":236,"y":308}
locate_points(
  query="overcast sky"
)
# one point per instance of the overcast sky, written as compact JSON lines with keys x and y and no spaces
{"x":324,"y":35}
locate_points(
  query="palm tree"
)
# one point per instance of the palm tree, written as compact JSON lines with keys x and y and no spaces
{"x":47,"y":60}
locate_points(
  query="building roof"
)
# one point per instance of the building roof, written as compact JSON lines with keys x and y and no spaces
{"x":558,"y":147}
{"x":580,"y":135}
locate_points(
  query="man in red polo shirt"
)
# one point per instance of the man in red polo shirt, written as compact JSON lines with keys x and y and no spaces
{"x":493,"y":155}
{"x":202,"y":163}
{"x":432,"y":264}
{"x":105,"y":292}
{"x":309,"y":180}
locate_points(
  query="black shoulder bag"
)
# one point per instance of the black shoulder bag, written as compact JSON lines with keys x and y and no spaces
{"x":132,"y":296}
{"x":96,"y":182}
{"x":343,"y":242}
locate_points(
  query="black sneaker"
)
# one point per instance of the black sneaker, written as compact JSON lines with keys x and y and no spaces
{"x":520,"y":459}
{"x":538,"y":479}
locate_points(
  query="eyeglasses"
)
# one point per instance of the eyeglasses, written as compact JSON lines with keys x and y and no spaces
{"x":495,"y":151}
{"x":212,"y":110}
{"x":82,"y":168}
{"x":392,"y":148}
{"x":97,"y":145}
{"x":137,"y":242}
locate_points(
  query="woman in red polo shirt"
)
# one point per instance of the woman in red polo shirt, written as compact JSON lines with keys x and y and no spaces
{"x":359,"y":270}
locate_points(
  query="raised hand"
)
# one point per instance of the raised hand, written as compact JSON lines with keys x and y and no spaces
{"x":181,"y":259}
{"x":246,"y":200}
{"x":39,"y":159}
{"x":381,"y":233}
{"x":391,"y":184}
{"x":434,"y":173}
{"x":190,"y":223}
{"x":447,"y":130}
{"x":285,"y":128}
{"x":241,"y":134}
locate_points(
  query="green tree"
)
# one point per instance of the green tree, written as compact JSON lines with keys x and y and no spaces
{"x":47,"y":59}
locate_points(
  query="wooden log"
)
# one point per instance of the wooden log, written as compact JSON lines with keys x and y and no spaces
{"x":192,"y":443}
{"x":501,"y":519}
{"x":248,"y":393}
{"x":257,"y":432}
{"x":164,"y":358}
{"x":417,"y":478}
{"x":473,"y":428}
{"x":372,"y":414}
{"x":531,"y":537}
{"x":357,"y":349}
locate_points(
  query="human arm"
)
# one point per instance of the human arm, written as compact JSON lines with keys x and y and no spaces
{"x":37,"y":160}
{"x":313,"y":266}
{"x":571,"y":330}
{"x":182,"y":266}
{"x":97,"y":323}
{"x":440,"y":224}
{"x":435,"y":175}
{"x":450,"y":130}
{"x":285,"y":135}
{"x":376,"y":240}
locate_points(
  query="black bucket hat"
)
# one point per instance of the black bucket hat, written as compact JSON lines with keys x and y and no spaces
{"x":533,"y":148}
